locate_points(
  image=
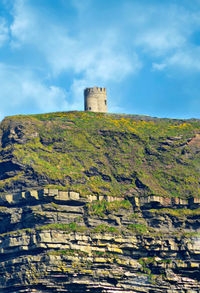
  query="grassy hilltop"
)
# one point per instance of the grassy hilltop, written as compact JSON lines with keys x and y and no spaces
{"x":101,"y":153}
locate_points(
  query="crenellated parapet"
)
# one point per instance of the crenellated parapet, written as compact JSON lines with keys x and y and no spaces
{"x":95,"y":90}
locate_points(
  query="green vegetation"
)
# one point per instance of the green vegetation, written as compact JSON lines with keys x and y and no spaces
{"x":71,"y":227}
{"x":105,"y":154}
{"x":17,"y":232}
{"x":138,"y":228}
{"x":105,"y":228}
{"x":68,"y":252}
{"x":145,"y":262}
{"x":74,"y":227}
{"x":100,"y":208}
{"x":177,"y":212}
{"x":148,"y":262}
{"x":189,"y":235}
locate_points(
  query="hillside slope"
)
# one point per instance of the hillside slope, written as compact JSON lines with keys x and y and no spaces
{"x":101,"y":153}
{"x":94,"y":202}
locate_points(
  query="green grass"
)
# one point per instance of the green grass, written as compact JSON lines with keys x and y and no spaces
{"x":71,"y":227}
{"x":105,"y":229}
{"x":177,"y":212}
{"x":137,"y":228}
{"x":100,"y":208}
{"x":68,"y":252}
{"x":64,"y":146}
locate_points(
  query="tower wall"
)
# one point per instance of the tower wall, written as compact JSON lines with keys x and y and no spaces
{"x":95,"y":99}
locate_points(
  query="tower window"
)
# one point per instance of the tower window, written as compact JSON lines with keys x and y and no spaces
{"x":89,"y":108}
{"x":105,"y":102}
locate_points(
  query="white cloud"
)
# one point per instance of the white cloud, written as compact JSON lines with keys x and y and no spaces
{"x":98,"y":51}
{"x":165,"y":31}
{"x":161,"y":30}
{"x":4,"y":32}
{"x":159,"y":66}
{"x":23,"y":26}
{"x":107,"y":65}
{"x":25,"y":92}
{"x":188,"y":59}
{"x":100,"y":59}
{"x":159,"y":41}
{"x":47,"y":98}
{"x":162,"y":27}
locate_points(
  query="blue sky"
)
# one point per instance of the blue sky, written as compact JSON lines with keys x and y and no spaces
{"x":146,"y":52}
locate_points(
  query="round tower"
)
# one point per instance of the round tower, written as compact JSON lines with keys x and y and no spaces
{"x":95,"y":99}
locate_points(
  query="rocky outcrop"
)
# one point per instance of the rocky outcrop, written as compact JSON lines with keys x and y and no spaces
{"x":58,"y":196}
{"x":58,"y":241}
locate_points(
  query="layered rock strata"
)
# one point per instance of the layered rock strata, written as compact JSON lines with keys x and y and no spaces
{"x":56,"y":241}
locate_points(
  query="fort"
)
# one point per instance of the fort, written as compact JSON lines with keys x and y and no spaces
{"x":95,"y":99}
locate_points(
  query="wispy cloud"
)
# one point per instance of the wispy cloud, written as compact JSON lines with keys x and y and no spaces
{"x":166,"y":36}
{"x":101,"y":60}
{"x":95,"y":43}
{"x":159,"y":67}
{"x":160,"y":40}
{"x":188,"y":59}
{"x":91,"y":59}
{"x":4,"y":31}
{"x":25,"y":92}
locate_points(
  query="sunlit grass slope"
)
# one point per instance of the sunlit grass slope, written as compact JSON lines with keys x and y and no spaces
{"x":104,"y":153}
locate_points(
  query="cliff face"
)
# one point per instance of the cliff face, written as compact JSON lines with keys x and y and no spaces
{"x":99,"y":203}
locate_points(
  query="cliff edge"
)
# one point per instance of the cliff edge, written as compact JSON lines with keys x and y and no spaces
{"x":93,"y":202}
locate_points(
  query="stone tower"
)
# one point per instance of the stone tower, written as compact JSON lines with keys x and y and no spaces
{"x":95,"y":99}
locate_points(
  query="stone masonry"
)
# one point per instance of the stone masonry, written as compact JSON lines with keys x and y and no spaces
{"x":95,"y":99}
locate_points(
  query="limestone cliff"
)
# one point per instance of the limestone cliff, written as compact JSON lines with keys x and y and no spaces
{"x":95,"y":202}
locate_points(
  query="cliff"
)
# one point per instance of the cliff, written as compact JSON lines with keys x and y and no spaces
{"x":94,"y":202}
